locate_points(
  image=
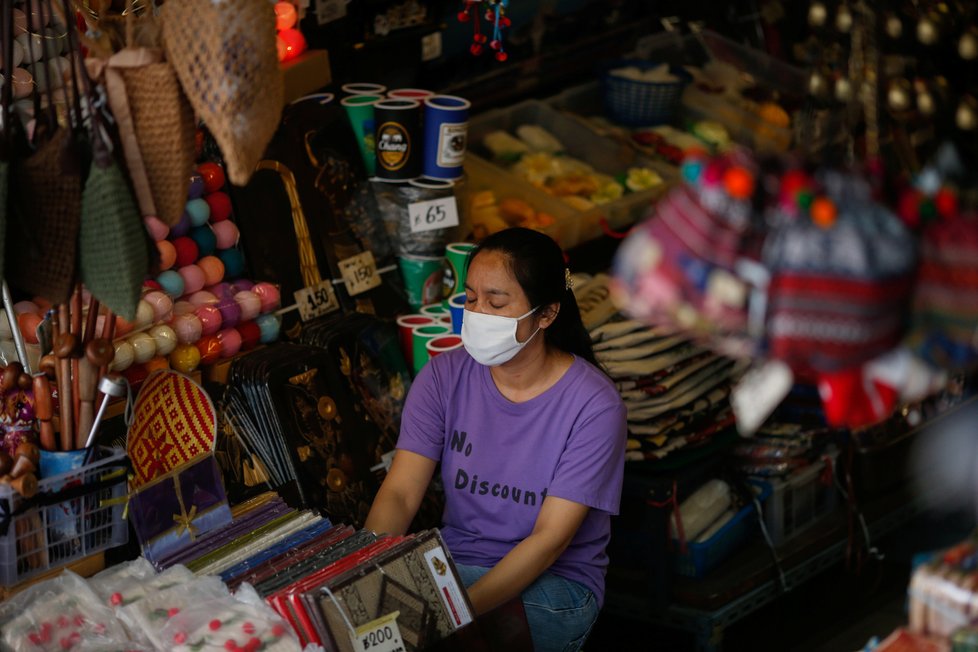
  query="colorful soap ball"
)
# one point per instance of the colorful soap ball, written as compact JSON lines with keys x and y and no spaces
{"x":165,"y":338}
{"x":199,"y":211}
{"x":168,"y":254}
{"x":226,"y":234}
{"x":220,"y":206}
{"x":269,"y":325}
{"x":205,"y":239}
{"x":210,"y":349}
{"x":156,"y":228}
{"x":230,"y":340}
{"x":210,"y":319}
{"x":230,"y":311}
{"x":145,"y":314}
{"x":250,"y":334}
{"x":213,"y":175}
{"x":171,"y":282}
{"x":241,"y":284}
{"x":196,"y":186}
{"x":249,"y":303}
{"x":182,"y":227}
{"x":233,"y":262}
{"x":202,"y":298}
{"x":185,"y":358}
{"x":143,"y":346}
{"x":187,"y":327}
{"x":193,"y":278}
{"x":123,"y":357}
{"x":187,"y":251}
{"x":213,"y":269}
{"x":157,"y":363}
{"x":183,"y":307}
{"x":269,"y":295}
{"x":161,"y":303}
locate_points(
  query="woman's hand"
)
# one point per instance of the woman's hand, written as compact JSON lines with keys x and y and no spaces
{"x":555,"y":527}
{"x":401,"y":493}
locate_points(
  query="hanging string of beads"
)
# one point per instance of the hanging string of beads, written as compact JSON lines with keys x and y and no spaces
{"x":495,"y":14}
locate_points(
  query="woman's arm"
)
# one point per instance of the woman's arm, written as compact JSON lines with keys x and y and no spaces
{"x":555,"y":527}
{"x":401,"y":493}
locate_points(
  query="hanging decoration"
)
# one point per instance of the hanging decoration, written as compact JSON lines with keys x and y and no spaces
{"x":495,"y":14}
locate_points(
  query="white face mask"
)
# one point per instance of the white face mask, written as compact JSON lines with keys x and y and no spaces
{"x":491,"y":339}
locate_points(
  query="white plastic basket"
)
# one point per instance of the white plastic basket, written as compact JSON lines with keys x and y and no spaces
{"x":801,"y":499}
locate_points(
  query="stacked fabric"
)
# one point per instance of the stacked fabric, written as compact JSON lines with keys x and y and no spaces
{"x":676,"y":391}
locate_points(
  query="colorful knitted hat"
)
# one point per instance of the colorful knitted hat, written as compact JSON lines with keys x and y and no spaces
{"x":841,"y":269}
{"x":688,"y":265}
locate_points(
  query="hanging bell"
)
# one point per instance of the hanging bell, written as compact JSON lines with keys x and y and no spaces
{"x":843,"y":89}
{"x":818,"y":85}
{"x":968,"y":44}
{"x":966,"y":117}
{"x":929,"y":28}
{"x":898,"y":95}
{"x":817,"y":14}
{"x":926,"y":103}
{"x":893,"y":26}
{"x":843,"y":19}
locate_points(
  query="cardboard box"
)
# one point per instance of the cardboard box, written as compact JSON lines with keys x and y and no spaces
{"x":307,"y":73}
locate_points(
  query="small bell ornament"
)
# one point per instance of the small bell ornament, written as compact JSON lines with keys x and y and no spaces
{"x":966,"y":117}
{"x":817,"y":14}
{"x":968,"y":44}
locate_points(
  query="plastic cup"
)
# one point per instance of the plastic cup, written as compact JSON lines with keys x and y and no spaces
{"x":456,"y":307}
{"x":456,"y":255}
{"x":360,"y":113}
{"x":406,"y":324}
{"x":438,"y":345}
{"x":419,"y":338}
{"x":422,"y":279}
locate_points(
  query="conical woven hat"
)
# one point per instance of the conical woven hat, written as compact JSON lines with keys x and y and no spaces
{"x":224,"y":54}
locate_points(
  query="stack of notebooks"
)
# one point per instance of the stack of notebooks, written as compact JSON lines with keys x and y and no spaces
{"x":327,"y":580}
{"x":676,"y":390}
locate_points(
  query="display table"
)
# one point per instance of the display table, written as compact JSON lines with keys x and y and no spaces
{"x":749,"y":579}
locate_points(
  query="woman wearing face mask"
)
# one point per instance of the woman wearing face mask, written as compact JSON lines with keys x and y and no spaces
{"x":531,"y":440}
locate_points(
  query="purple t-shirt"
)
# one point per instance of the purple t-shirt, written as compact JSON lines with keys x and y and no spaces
{"x":500,"y":459}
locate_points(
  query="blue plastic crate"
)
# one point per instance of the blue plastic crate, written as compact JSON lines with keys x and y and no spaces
{"x":700,"y":558}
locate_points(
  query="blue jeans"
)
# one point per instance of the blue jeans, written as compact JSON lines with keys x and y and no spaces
{"x":560,"y":612}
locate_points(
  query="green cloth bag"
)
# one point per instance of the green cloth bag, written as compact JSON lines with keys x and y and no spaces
{"x":113,"y":246}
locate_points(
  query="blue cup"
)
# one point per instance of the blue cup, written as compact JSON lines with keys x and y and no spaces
{"x":446,"y":130}
{"x":456,"y":306}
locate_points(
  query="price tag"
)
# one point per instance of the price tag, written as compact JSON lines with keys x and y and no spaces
{"x":316,"y":301}
{"x":431,"y":46}
{"x":433,"y":214}
{"x":359,"y":273}
{"x":381,"y":635}
{"x":758,"y":392}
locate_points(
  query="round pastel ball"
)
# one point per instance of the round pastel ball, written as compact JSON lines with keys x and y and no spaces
{"x":143,"y":346}
{"x":230,"y":340}
{"x":213,"y":175}
{"x":196,"y":189}
{"x":199,"y":211}
{"x":43,"y":305}
{"x":233,"y":262}
{"x":250,"y":335}
{"x":210,"y":349}
{"x":226,"y":234}
{"x":183,"y":307}
{"x":221,"y":290}
{"x":171,"y":282}
{"x":210,"y":319}
{"x":145,"y":314}
{"x":193,"y":278}
{"x":213,"y":269}
{"x":230,"y":311}
{"x":27,"y":322}
{"x":124,"y":355}
{"x":187,"y":327}
{"x":122,"y":326}
{"x":187,"y":251}
{"x":26,"y":306}
{"x":157,"y":363}
{"x":156,"y":228}
{"x":185,"y":358}
{"x":168,"y":254}
{"x":269,"y":325}
{"x":165,"y":338}
{"x":205,"y":239}
{"x":182,"y":227}
{"x":269,"y":295}
{"x":202,"y":298}
{"x":241,"y":285}
{"x":161,"y":303}
{"x":220,"y":206}
{"x":249,"y":303}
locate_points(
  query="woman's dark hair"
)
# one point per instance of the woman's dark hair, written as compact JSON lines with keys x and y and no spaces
{"x":538,"y":265}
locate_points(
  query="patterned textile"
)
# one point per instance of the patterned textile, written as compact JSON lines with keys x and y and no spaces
{"x":174,"y":422}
